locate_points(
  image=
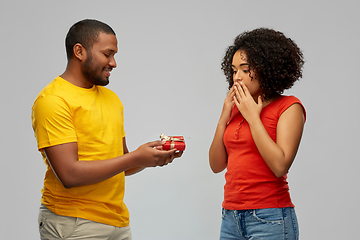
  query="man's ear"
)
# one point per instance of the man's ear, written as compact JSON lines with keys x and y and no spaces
{"x":79,"y":52}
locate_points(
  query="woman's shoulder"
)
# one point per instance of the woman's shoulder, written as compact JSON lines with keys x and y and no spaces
{"x":284,"y":102}
{"x":288,"y":99}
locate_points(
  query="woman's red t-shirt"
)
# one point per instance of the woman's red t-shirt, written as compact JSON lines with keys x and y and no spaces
{"x":250,"y":184}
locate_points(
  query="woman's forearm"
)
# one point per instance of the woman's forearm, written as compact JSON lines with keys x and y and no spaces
{"x":217,"y":151}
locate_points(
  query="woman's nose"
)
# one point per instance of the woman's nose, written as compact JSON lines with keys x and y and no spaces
{"x":237,"y":77}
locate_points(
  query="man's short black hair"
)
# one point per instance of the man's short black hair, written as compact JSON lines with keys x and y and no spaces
{"x":86,"y":32}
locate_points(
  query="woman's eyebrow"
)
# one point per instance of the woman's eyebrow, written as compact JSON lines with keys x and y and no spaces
{"x":243,"y":64}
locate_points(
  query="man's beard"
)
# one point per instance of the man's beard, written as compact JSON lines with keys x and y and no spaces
{"x":89,"y":71}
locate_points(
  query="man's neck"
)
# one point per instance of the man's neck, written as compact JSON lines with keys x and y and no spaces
{"x":76,"y":77}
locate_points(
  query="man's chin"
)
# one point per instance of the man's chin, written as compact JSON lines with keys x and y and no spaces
{"x":100,"y":82}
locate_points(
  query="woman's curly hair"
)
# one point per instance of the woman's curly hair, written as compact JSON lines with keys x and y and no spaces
{"x":276,"y":60}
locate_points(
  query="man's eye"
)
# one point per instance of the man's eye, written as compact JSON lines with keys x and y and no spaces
{"x":107,"y":55}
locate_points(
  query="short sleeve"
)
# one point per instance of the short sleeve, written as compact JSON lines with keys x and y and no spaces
{"x":289,"y":101}
{"x":52,"y":121}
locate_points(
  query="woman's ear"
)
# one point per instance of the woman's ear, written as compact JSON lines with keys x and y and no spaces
{"x":79,"y":52}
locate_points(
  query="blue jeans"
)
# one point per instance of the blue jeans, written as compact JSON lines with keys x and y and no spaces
{"x":257,"y":224}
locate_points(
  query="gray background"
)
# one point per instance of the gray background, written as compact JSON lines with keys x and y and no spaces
{"x":169,"y":80}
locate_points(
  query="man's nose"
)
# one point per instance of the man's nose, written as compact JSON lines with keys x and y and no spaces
{"x":112,"y":62}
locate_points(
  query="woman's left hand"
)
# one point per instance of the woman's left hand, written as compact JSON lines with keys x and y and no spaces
{"x":246,"y":104}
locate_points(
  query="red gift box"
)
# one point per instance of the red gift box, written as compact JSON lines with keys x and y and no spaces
{"x":173,"y":142}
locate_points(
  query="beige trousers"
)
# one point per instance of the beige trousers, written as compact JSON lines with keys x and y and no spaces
{"x":52,"y":226}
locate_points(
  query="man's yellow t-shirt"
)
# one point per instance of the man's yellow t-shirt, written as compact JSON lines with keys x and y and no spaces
{"x":63,"y":113}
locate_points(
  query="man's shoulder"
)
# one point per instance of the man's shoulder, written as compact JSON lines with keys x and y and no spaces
{"x":55,"y":93}
{"x":55,"y":87}
{"x":108,"y":92}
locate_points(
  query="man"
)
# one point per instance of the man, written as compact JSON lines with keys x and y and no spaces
{"x":78,"y":125}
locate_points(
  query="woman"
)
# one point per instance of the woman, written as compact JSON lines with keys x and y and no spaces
{"x":258,"y":135}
